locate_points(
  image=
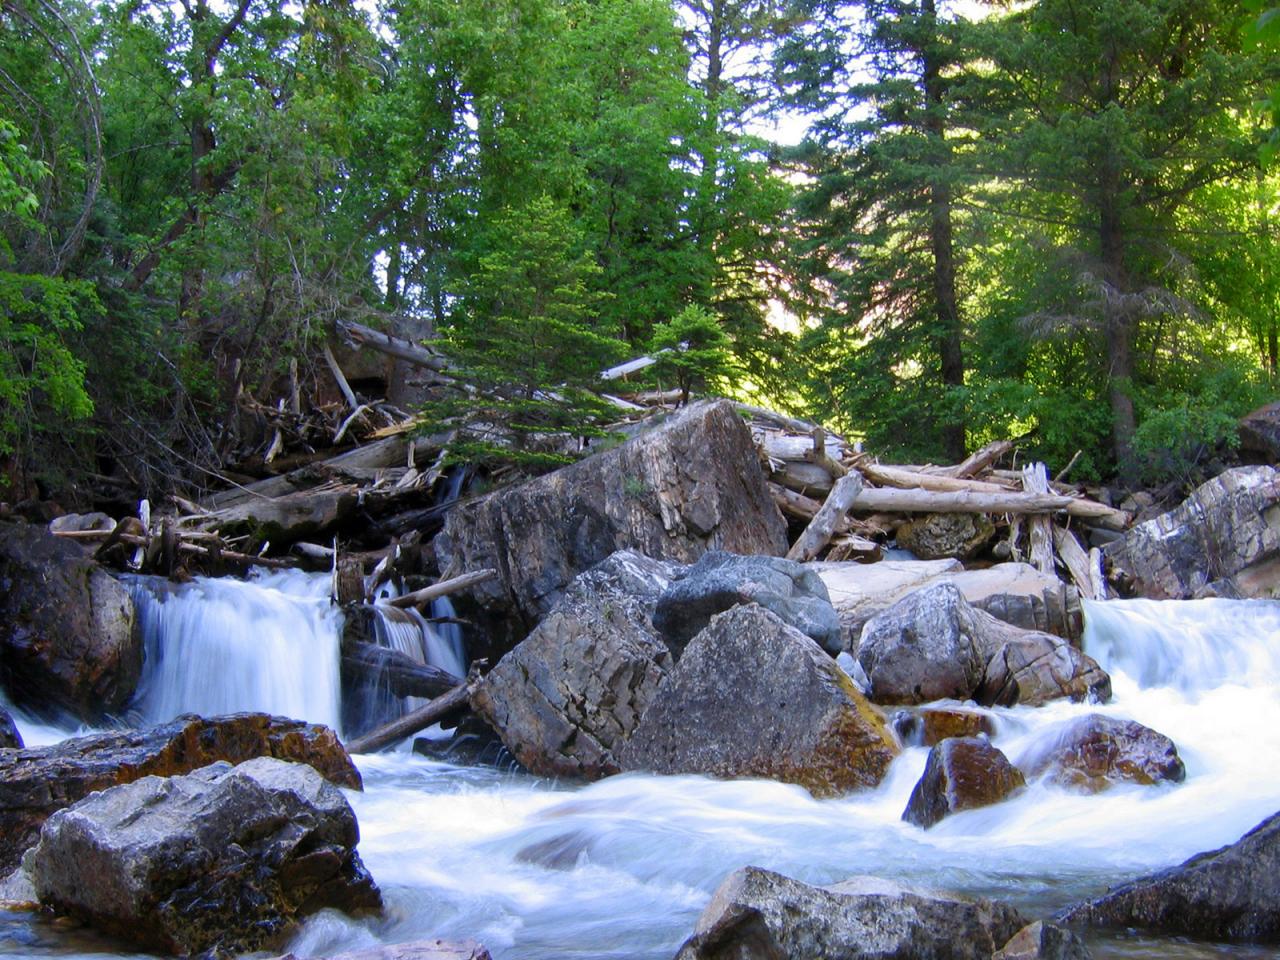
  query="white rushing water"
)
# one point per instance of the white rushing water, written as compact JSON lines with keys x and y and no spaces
{"x":621,"y":868}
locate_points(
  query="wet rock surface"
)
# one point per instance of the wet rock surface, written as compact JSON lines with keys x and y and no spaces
{"x":1093,"y":753}
{"x":36,"y":783}
{"x":926,"y":726}
{"x":689,"y":484}
{"x":962,"y":773}
{"x":720,"y":580}
{"x":567,"y":696}
{"x":1044,"y":941}
{"x":414,"y":950}
{"x":68,"y":639}
{"x":225,"y":858}
{"x":933,"y":645}
{"x":10,"y":738}
{"x":1230,"y":894}
{"x":1223,"y":540}
{"x":760,"y":915}
{"x":754,"y":697}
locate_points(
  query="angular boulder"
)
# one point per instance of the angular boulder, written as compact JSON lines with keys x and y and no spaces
{"x":10,"y":738}
{"x":414,"y":950}
{"x":1044,"y":941}
{"x":1260,"y":431}
{"x":1231,"y":894}
{"x":1093,"y":753}
{"x":933,"y":645}
{"x":1223,"y":540}
{"x":754,"y":697}
{"x":720,"y":580}
{"x":36,"y":783}
{"x":224,"y":859}
{"x":68,"y":642}
{"x":940,"y":536}
{"x":756,"y":914}
{"x":570,"y":693}
{"x":962,"y":773}
{"x":927,"y":726}
{"x":691,"y":483}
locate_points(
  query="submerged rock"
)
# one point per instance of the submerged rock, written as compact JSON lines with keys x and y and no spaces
{"x":1224,"y":540}
{"x":68,"y":642}
{"x":567,"y":696}
{"x":36,"y":783}
{"x":754,"y":697}
{"x":720,"y":580}
{"x":933,"y":645}
{"x":962,"y":773}
{"x":1095,"y":752}
{"x":760,"y":915}
{"x":1227,"y":894}
{"x":225,"y":858}
{"x":690,"y":484}
{"x":1044,"y":941}
{"x":10,"y":738}
{"x":930,"y":725}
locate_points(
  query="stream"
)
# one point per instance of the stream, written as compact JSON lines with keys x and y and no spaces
{"x":621,"y":868}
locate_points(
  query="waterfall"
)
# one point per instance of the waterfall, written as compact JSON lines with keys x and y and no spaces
{"x":269,"y":643}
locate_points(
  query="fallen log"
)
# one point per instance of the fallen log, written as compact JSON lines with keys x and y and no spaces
{"x":1035,"y":479}
{"x":1079,"y":564}
{"x":420,"y":598}
{"x":819,"y":532}
{"x":978,"y":461}
{"x":397,"y":347}
{"x":888,"y":500}
{"x":438,"y":709}
{"x":404,"y":676}
{"x":211,"y":549}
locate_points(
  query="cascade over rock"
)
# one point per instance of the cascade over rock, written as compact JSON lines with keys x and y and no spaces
{"x":568,"y":695}
{"x":754,"y":697}
{"x":1092,"y":753}
{"x":687,"y":485}
{"x":414,"y":950}
{"x":67,"y":635}
{"x":962,"y":773}
{"x":10,"y":738}
{"x":929,"y":725}
{"x":223,"y":859}
{"x":1223,"y":540}
{"x":1228,"y":894}
{"x":720,"y":580}
{"x":36,"y":783}
{"x":756,"y":914}
{"x":933,"y":645}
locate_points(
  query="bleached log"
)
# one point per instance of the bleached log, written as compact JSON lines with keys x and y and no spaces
{"x":1097,"y":576}
{"x":781,"y":419}
{"x":397,"y":347}
{"x":420,"y":598}
{"x":881,"y":499}
{"x":630,"y":367}
{"x":1035,"y":480}
{"x":978,"y":461}
{"x":456,"y":699}
{"x":1076,"y":561}
{"x":184,"y":546}
{"x":799,"y":507}
{"x":340,"y":378}
{"x":820,"y":530}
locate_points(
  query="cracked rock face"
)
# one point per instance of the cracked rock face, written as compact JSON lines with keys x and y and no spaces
{"x":691,"y":483}
{"x":567,"y":696}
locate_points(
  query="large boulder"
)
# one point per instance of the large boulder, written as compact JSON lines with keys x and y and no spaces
{"x":1227,"y":894}
{"x":1016,"y":593}
{"x":1044,"y":941}
{"x":759,"y":915}
{"x":940,"y":536}
{"x":1224,"y":540}
{"x":68,"y":642}
{"x":962,"y":773}
{"x":224,"y":859}
{"x":36,"y":783}
{"x":10,"y":738}
{"x":1260,"y":431}
{"x":721,"y":580}
{"x":933,"y":645}
{"x":690,"y":484}
{"x":570,"y":693}
{"x":754,"y":697}
{"x":1092,"y":753}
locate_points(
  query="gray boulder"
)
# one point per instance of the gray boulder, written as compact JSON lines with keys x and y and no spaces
{"x":721,"y":580}
{"x":754,"y":697}
{"x":36,"y":783}
{"x":939,"y":536}
{"x":962,"y":773}
{"x":933,"y":645}
{"x":1092,"y":753}
{"x":1044,"y":941}
{"x":569,"y":694}
{"x":691,"y":483}
{"x":10,"y":738}
{"x":224,"y":859}
{"x":1223,"y":540}
{"x":1231,"y":894}
{"x":68,"y":642}
{"x":759,"y":915}
{"x":1260,"y":431}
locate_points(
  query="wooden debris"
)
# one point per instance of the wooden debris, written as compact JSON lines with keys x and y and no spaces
{"x":185,"y":545}
{"x":1035,"y":480}
{"x":438,"y":709}
{"x":979,"y":460}
{"x":420,"y":598}
{"x":404,"y":676}
{"x":819,"y":532}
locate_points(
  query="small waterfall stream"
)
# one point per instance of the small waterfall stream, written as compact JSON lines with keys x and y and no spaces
{"x":621,"y":868}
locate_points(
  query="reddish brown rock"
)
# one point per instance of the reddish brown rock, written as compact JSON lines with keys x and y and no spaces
{"x":927,"y":726}
{"x":961,"y":774}
{"x":1095,"y":752}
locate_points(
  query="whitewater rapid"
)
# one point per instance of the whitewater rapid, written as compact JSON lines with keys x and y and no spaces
{"x":621,"y":868}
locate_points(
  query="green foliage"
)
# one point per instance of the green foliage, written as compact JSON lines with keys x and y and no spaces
{"x":693,"y":350}
{"x":1265,"y":32}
